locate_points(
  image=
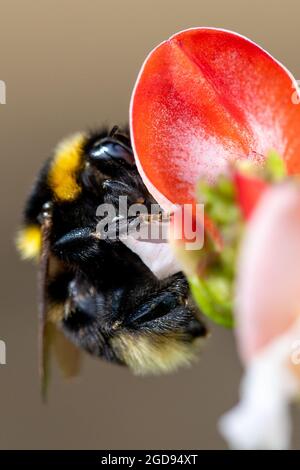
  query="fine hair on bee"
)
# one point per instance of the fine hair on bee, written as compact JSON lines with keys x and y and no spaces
{"x":97,"y":294}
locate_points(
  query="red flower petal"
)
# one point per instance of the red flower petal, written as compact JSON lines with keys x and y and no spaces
{"x":204,"y":98}
{"x":249,"y":191}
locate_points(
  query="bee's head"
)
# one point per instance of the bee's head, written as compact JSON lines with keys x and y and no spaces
{"x":86,"y":170}
{"x":85,"y":160}
{"x":110,"y":152}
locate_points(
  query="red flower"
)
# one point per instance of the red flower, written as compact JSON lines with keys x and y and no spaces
{"x":249,"y":191}
{"x":204,"y":98}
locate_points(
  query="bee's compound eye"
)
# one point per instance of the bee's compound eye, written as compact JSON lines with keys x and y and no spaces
{"x":110,"y":151}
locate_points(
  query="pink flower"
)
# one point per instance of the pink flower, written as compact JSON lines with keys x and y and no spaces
{"x":267,"y":313}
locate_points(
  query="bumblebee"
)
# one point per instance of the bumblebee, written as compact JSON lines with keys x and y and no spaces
{"x":97,"y":292}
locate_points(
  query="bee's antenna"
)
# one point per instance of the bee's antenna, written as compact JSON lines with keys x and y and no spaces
{"x":113,"y":131}
{"x":46,"y":225}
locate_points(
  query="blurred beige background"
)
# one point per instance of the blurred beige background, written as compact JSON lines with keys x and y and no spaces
{"x":69,"y":65}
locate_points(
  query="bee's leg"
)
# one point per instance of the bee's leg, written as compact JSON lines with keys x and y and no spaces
{"x":90,"y":316}
{"x":154,"y":307}
{"x":77,"y":246}
{"x":83,"y":249}
{"x":165,"y":303}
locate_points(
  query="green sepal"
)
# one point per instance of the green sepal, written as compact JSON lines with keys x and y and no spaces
{"x":208,"y":295}
{"x":275,"y":167}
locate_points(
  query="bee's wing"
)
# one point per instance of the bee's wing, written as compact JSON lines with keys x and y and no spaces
{"x":44,"y":359}
{"x":68,"y":356}
{"x":43,"y":333}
